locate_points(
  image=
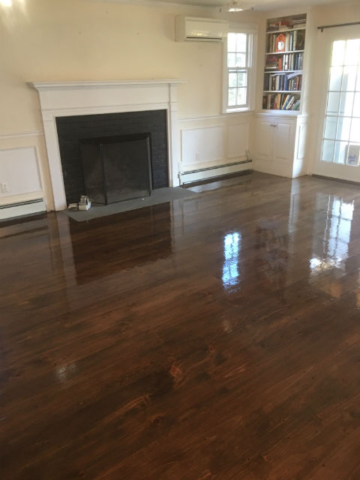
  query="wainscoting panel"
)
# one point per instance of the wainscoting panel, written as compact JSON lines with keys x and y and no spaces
{"x":238,"y":140}
{"x":19,"y":174}
{"x":212,"y":142}
{"x":202,"y":145}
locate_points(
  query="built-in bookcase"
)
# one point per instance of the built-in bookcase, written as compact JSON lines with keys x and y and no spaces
{"x":284,"y":59}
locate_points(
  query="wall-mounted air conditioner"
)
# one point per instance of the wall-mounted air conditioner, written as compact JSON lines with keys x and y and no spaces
{"x":193,"y":29}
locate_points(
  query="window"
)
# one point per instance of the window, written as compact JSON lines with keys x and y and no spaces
{"x":238,"y":71}
{"x":341,"y":138}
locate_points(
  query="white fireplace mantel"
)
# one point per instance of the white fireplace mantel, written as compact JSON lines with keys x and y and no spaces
{"x":59,"y":99}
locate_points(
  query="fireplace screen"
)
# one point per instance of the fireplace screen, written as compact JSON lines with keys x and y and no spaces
{"x":116,"y":168}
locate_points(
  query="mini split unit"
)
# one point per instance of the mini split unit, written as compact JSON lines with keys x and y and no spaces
{"x":191,"y":29}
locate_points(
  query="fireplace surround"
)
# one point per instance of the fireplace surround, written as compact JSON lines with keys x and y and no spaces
{"x":70,"y":99}
{"x":77,"y":131}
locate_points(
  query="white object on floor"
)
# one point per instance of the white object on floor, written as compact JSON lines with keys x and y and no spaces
{"x":84,"y":203}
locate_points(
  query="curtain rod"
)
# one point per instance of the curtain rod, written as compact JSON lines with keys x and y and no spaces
{"x":338,"y":25}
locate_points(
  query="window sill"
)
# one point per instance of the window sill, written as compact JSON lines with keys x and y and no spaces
{"x":238,"y":110}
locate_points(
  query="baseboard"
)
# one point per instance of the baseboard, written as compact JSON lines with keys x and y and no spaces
{"x":214,"y":172}
{"x":218,"y":178}
{"x":324,"y":177}
{"x":21,"y":209}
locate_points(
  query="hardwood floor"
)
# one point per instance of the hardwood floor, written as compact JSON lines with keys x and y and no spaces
{"x":214,"y":338}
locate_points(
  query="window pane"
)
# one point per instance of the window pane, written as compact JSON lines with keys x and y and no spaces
{"x":241,"y":59}
{"x":355,"y":130}
{"x":346,"y":103}
{"x":232,"y":97}
{"x":353,"y":155}
{"x":231,"y":60}
{"x":356,"y":112}
{"x":241,"y":96}
{"x":333,"y":103}
{"x":352,"y":52}
{"x":338,"y":53}
{"x":340,"y":152}
{"x":343,"y":130}
{"x":242,"y":79}
{"x":241,"y":42}
{"x":233,"y":79}
{"x":328,"y":151}
{"x":335,"y":78}
{"x":349,"y":79}
{"x":330,"y":127}
{"x":232,"y":42}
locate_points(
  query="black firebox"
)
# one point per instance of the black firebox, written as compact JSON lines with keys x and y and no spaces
{"x":75,"y":130}
{"x":116,"y":168}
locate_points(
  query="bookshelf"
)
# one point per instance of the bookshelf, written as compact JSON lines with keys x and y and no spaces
{"x":284,"y":59}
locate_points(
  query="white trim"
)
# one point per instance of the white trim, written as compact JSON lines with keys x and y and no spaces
{"x":215,"y":172}
{"x":21,"y":135}
{"x":79,"y":98}
{"x":21,"y":210}
{"x":251,"y":70}
{"x":112,"y":83}
{"x":222,"y":116}
{"x":22,"y":197}
{"x":72,"y":111}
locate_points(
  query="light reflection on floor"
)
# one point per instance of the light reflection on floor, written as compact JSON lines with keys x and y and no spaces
{"x":232,"y":245}
{"x":336,"y":236}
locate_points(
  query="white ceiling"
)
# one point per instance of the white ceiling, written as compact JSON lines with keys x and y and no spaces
{"x":256,"y":4}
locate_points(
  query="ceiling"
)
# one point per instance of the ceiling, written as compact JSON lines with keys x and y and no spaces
{"x":256,"y":4}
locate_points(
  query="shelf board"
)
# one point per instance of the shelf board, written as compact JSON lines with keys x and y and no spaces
{"x":271,"y":111}
{"x":286,"y":30}
{"x":284,"y":53}
{"x":297,"y":92}
{"x":275,"y":72}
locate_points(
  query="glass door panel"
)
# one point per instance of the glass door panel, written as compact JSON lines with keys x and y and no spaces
{"x":341,"y":136}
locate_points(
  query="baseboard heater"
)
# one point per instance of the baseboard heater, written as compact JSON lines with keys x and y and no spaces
{"x":214,"y":172}
{"x":19,"y":209}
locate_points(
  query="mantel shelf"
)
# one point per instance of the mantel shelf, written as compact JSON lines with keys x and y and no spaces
{"x":102,"y":84}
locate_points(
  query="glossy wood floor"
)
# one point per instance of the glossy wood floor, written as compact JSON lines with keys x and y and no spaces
{"x":214,"y":338}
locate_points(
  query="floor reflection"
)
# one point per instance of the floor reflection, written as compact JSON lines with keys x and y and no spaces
{"x":273,"y":256}
{"x":330,"y":257}
{"x":331,"y":248}
{"x":232,"y":245}
{"x":117,"y":254}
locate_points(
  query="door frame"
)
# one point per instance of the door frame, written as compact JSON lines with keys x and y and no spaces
{"x":326,"y":169}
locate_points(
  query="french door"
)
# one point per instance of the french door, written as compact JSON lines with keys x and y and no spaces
{"x":338,"y":153}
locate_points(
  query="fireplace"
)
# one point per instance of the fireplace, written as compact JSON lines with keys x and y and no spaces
{"x":116,"y":168}
{"x":113,"y":157}
{"x":73,"y":111}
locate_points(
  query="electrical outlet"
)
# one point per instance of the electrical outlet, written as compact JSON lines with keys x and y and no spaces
{"x":4,"y":187}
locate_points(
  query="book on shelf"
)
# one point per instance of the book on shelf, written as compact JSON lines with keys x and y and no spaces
{"x":273,"y":63}
{"x":281,"y":101}
{"x":289,"y":41}
{"x":282,"y":81}
{"x":287,"y":61}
